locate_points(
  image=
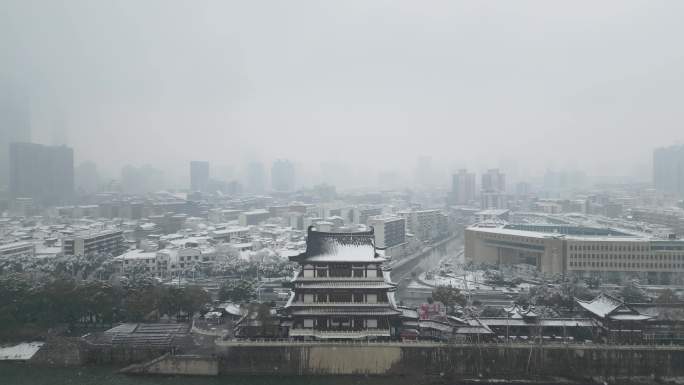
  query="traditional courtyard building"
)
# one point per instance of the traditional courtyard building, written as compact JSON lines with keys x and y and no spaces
{"x":341,"y":290}
{"x":620,"y":321}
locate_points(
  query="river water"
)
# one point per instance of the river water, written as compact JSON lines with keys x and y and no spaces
{"x":23,"y":374}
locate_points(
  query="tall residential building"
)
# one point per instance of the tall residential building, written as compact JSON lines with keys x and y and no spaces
{"x":494,"y":180}
{"x":424,"y":172}
{"x":199,"y":176}
{"x":43,"y":173}
{"x":493,"y":200}
{"x":340,"y":289}
{"x":282,"y":175}
{"x":364,"y":213}
{"x":462,"y":187}
{"x":425,"y":224}
{"x":389,"y":231}
{"x":256,"y":178}
{"x":668,"y":169}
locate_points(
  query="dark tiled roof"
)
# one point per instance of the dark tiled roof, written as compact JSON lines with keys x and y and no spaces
{"x":354,"y":246}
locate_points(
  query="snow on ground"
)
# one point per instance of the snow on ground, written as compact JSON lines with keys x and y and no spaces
{"x":20,"y":352}
{"x":474,"y":280}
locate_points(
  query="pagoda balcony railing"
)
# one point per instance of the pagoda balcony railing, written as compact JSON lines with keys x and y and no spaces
{"x":302,"y":278}
{"x":339,"y":333}
{"x":349,"y":304}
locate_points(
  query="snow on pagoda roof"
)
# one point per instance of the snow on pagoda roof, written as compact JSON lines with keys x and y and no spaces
{"x":339,"y":247}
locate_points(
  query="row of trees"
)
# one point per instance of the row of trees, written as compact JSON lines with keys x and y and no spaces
{"x":28,"y":307}
{"x":239,"y":291}
{"x":449,"y":296}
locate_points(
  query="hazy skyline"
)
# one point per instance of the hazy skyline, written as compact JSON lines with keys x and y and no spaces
{"x":525,"y":85}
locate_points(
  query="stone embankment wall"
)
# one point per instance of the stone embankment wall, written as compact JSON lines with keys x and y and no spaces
{"x":119,"y":354}
{"x":466,"y":361}
{"x":177,"y":365}
{"x":61,"y":352}
{"x":310,"y":359}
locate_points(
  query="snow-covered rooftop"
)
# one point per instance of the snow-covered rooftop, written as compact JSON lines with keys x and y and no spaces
{"x":137,"y":254}
{"x":20,"y":352}
{"x":601,"y":306}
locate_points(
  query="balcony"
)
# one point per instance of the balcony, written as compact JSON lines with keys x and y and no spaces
{"x":340,"y":304}
{"x":339,"y":334}
{"x":350,"y":278}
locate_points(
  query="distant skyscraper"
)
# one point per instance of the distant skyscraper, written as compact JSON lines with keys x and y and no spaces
{"x":87,"y":179}
{"x":15,"y":125}
{"x":282,"y":175}
{"x":462,"y":187}
{"x":256,"y":178}
{"x":668,"y":169}
{"x":199,"y":176}
{"x":43,"y":173}
{"x":141,"y":180}
{"x":494,"y":181}
{"x":424,"y":172}
{"x":59,"y":131}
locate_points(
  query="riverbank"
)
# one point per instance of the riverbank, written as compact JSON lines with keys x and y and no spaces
{"x":24,"y":374}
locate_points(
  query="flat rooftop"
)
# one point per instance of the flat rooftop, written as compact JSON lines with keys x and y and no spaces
{"x":565,"y":231}
{"x":580,"y":231}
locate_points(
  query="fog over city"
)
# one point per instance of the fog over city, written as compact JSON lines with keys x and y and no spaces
{"x":373,"y":192}
{"x":525,"y":86}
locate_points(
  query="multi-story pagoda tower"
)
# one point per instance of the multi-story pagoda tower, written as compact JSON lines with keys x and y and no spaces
{"x":341,"y":290}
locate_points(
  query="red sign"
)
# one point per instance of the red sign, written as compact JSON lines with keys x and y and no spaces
{"x":428,"y":311}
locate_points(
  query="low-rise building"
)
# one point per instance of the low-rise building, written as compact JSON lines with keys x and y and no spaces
{"x":108,"y":242}
{"x":251,"y":218}
{"x":17,"y":250}
{"x":132,"y":260}
{"x":390,"y":233}
{"x":578,"y":250}
{"x":425,"y":224}
{"x":231,"y":234}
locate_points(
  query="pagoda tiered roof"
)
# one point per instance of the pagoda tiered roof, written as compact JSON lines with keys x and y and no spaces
{"x":355,"y":311}
{"x":347,"y":305}
{"x":353,"y":247}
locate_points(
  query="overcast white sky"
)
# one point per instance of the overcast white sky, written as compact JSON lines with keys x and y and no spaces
{"x":522,"y":84}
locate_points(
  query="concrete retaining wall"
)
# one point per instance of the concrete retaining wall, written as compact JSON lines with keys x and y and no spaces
{"x":108,"y":354}
{"x":61,"y":352}
{"x":177,"y":365}
{"x":466,"y":361}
